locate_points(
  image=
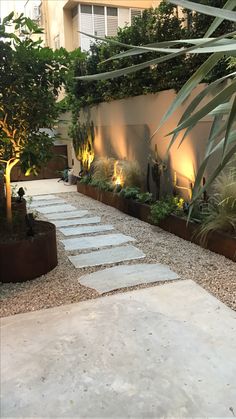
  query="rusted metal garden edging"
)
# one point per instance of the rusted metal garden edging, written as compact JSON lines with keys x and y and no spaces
{"x":29,"y":258}
{"x":217,"y":242}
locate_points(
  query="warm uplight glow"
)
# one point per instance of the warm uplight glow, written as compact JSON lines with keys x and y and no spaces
{"x":118,"y":177}
{"x":118,"y":181}
{"x":87,"y":156}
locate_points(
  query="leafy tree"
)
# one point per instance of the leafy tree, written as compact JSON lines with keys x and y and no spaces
{"x":31,"y":77}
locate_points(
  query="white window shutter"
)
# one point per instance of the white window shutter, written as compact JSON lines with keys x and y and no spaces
{"x":123,"y":17}
{"x":99,"y":21}
{"x":86,"y":25}
{"x":112,"y":21}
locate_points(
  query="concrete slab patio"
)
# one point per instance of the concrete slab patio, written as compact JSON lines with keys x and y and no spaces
{"x":167,"y":351}
{"x":45,"y":186}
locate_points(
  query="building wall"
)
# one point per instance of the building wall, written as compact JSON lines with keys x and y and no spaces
{"x":57,"y":19}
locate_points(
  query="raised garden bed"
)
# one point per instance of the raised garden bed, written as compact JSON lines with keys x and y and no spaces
{"x":217,"y":242}
{"x":29,"y":257}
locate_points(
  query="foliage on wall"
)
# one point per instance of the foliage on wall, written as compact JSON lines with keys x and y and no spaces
{"x":83,"y":138}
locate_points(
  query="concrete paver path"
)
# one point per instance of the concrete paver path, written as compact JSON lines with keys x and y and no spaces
{"x":56,"y":208}
{"x":78,"y":231}
{"x":166,"y":351}
{"x":106,"y":256}
{"x":95,"y":242}
{"x":127,"y":276}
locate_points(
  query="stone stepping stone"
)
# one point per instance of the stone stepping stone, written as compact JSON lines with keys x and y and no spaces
{"x":69,"y":214}
{"x":76,"y":221}
{"x":106,"y":256}
{"x":44,"y":197}
{"x":76,"y":231}
{"x":43,"y":203}
{"x":103,"y":240}
{"x":127,"y":276}
{"x":56,"y":208}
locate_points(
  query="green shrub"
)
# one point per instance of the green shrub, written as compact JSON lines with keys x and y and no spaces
{"x":130,"y":192}
{"x":163,"y":208}
{"x":85,"y":180}
{"x":102,"y":184}
{"x":145,"y":197}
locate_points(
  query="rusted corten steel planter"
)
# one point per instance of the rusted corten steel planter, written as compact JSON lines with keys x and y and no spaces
{"x":31,"y":257}
{"x":218,"y":242}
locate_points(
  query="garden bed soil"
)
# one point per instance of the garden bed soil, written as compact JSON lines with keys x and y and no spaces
{"x":27,"y":257}
{"x":217,"y":242}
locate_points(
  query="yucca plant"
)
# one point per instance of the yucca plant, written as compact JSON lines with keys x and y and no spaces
{"x":221,"y":105}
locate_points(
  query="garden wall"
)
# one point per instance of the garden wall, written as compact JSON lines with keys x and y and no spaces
{"x":124,"y":127}
{"x":52,"y":170}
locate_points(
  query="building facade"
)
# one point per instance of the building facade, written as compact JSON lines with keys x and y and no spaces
{"x":62,"y":19}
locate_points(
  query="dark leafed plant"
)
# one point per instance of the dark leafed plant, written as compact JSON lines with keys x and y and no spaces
{"x":221,"y":105}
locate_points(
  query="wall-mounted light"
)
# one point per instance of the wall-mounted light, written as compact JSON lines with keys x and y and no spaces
{"x":186,"y":188}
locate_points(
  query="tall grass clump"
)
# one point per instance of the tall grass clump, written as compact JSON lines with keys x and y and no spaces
{"x":103,"y":169}
{"x":220,"y":212}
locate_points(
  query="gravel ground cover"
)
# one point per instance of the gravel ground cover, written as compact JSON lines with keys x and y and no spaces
{"x":213,"y":272}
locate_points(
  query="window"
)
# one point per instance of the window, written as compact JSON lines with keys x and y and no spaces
{"x":135,"y":13}
{"x":103,"y":21}
{"x":97,"y":20}
{"x":112,"y":11}
{"x":36,"y":13}
{"x":112,"y":21}
{"x":57,"y":42}
{"x":86,"y":9}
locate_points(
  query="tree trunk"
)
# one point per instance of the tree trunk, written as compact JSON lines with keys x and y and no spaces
{"x":2,"y":191}
{"x":10,"y":164}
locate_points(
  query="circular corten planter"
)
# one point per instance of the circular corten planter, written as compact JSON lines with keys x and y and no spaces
{"x":31,"y":257}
